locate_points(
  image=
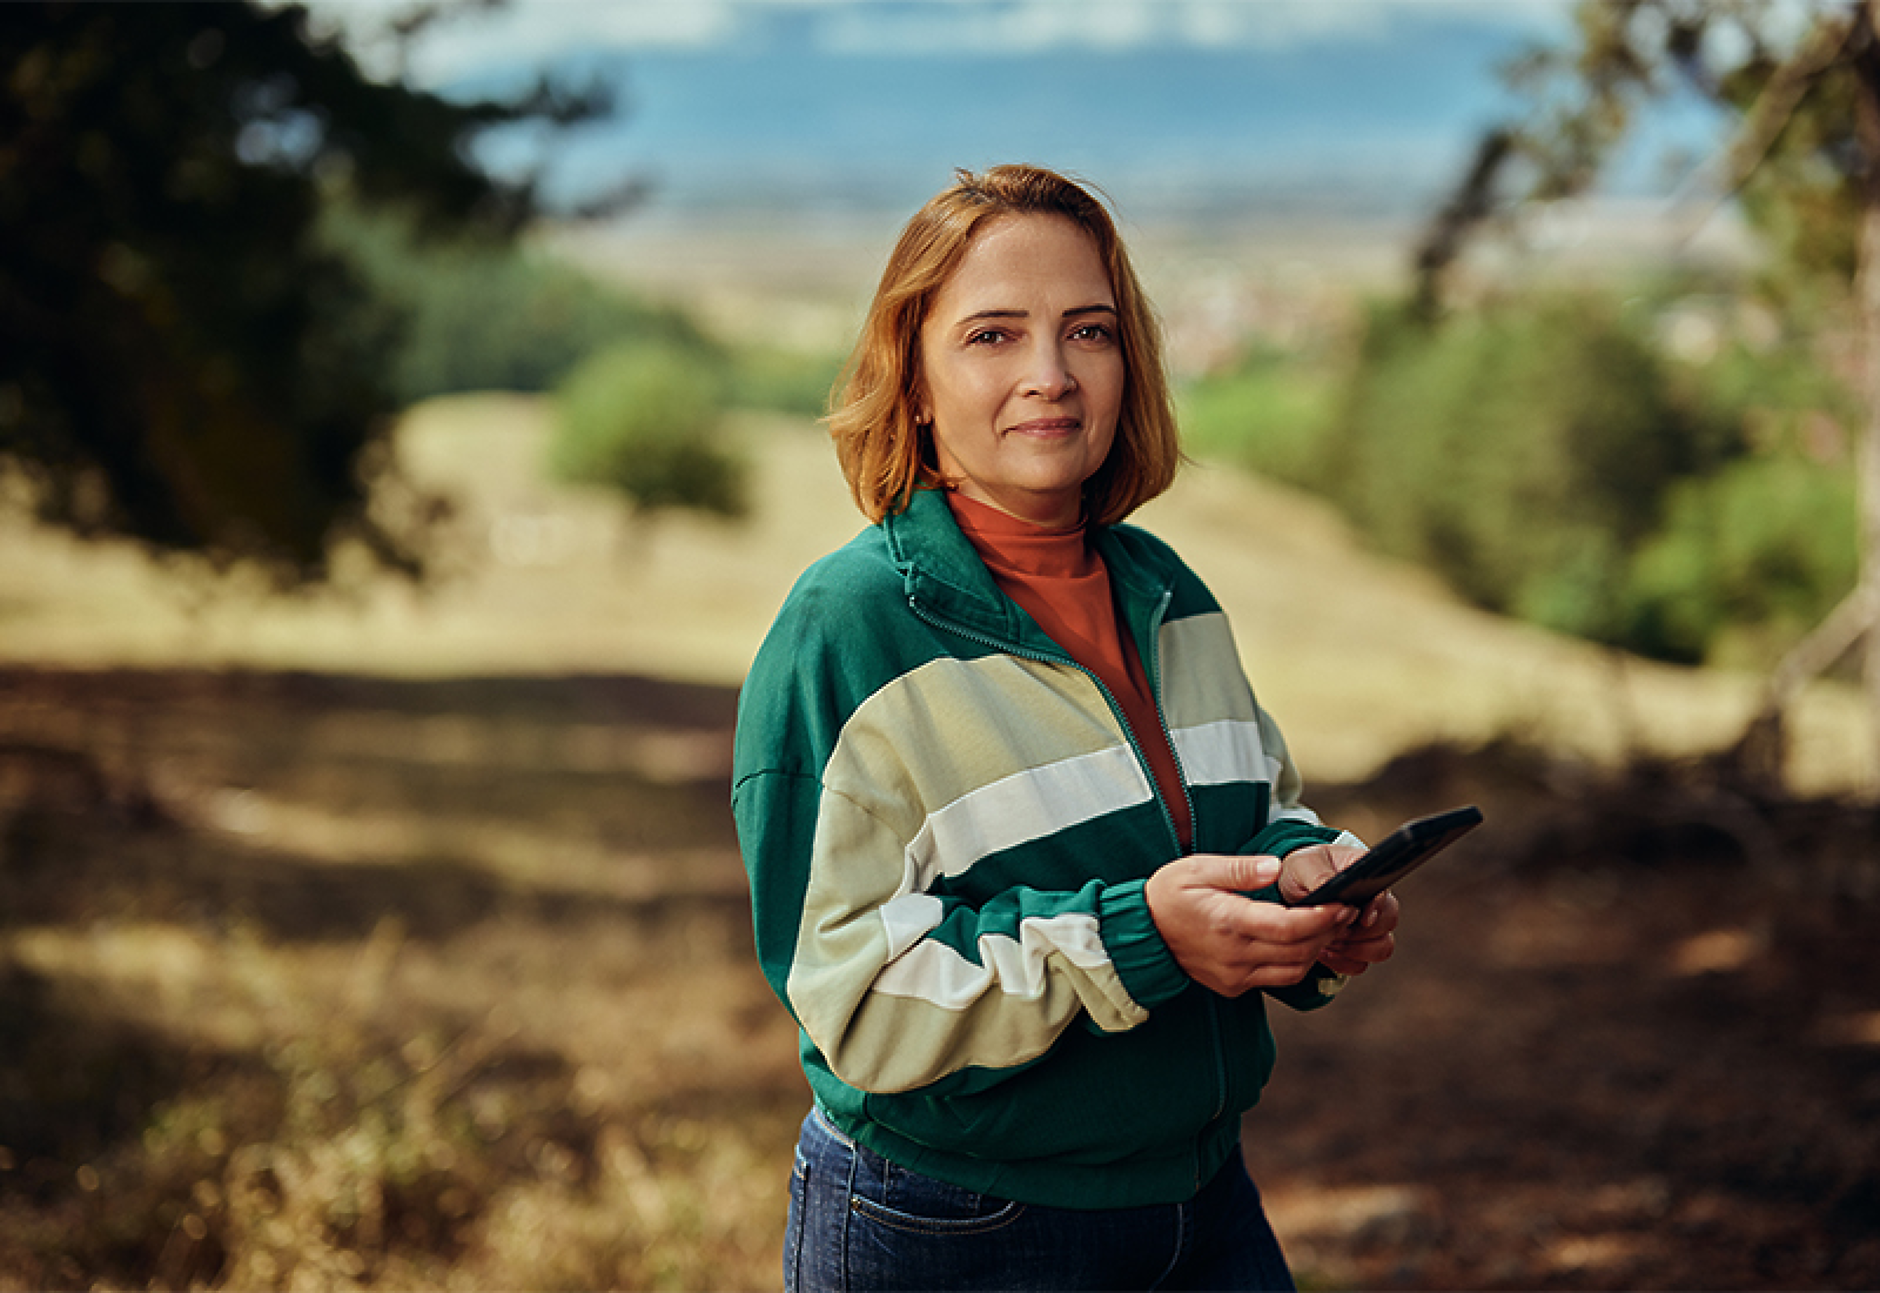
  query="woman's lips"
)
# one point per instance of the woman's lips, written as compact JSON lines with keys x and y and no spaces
{"x":1047,"y":426}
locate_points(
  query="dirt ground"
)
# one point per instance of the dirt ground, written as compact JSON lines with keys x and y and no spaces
{"x":1631,"y":1038}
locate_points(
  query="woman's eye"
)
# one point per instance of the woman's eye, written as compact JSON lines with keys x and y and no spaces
{"x":1092,"y":332}
{"x":985,"y":337}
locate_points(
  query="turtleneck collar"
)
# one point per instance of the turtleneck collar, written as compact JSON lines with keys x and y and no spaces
{"x":1011,"y":545}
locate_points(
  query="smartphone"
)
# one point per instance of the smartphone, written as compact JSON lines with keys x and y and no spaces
{"x":1402,"y":851}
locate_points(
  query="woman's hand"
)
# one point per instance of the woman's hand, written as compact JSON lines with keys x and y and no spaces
{"x":1367,"y":940}
{"x":1227,"y":941}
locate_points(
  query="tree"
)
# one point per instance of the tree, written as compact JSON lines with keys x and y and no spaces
{"x":181,"y":360}
{"x":1804,"y":165}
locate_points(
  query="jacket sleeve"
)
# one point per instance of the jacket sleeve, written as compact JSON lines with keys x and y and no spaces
{"x":899,"y":984}
{"x":1291,"y":825}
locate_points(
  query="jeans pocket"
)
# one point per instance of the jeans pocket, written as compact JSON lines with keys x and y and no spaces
{"x":908,"y":1201}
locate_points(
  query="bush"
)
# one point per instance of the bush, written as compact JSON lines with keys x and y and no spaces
{"x":1547,"y":459}
{"x":482,"y":317}
{"x":1746,"y":563}
{"x":647,"y":420}
{"x":784,"y":381}
{"x":1523,"y":453}
{"x":1270,"y":414}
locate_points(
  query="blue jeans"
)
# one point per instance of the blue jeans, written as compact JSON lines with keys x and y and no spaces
{"x":859,"y":1222}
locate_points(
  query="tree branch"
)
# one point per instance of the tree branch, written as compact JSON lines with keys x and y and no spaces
{"x":1827,"y":642}
{"x":1766,"y":119}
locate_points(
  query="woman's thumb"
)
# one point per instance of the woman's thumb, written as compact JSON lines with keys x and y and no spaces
{"x":1246,"y":872}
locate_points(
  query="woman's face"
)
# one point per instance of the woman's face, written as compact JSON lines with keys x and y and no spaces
{"x":1022,"y":368}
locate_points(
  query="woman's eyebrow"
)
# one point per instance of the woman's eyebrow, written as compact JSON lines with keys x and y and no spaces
{"x":1072,"y":313}
{"x":977,"y":315}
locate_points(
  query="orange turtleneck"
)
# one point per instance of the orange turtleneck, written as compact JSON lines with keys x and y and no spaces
{"x":1063,"y":584}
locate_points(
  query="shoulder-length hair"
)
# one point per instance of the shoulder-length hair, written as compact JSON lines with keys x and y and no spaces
{"x":884,"y":451}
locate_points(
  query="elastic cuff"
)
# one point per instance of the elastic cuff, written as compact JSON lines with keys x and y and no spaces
{"x":1279,"y":838}
{"x":1315,"y":990}
{"x":1147,"y":968}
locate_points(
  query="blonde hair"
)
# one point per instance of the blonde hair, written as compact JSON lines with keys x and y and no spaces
{"x":882,"y":447}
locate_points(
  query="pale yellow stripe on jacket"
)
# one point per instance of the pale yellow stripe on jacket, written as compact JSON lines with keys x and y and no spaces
{"x":1196,"y":653}
{"x":1222,"y":737}
{"x":950,"y":727}
{"x":1025,"y":806}
{"x":911,"y":793}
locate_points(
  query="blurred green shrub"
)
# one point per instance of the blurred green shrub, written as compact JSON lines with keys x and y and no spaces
{"x":489,"y":317}
{"x":1269,"y":413}
{"x":1746,"y":562}
{"x":1554,"y":459}
{"x":648,"y":420}
{"x":784,"y":381}
{"x":483,"y":316}
{"x":1523,"y":452}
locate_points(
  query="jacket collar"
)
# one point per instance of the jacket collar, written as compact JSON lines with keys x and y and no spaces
{"x":945,"y":577}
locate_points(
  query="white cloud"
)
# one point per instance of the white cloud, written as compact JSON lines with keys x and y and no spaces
{"x":531,"y":32}
{"x":1032,"y":26}
{"x":528,"y":32}
{"x":537,"y":31}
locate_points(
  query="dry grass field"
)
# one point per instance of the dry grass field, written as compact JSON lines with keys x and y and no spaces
{"x":1358,"y":657}
{"x":396,"y":938}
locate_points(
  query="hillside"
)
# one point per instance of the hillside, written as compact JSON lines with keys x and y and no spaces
{"x":399,"y":939}
{"x":1358,"y":657}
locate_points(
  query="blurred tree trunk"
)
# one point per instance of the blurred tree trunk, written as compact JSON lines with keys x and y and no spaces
{"x":1857,"y":619}
{"x":1867,"y":292}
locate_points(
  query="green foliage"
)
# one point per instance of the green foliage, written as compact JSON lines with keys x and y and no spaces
{"x":1552,"y":464}
{"x":1521,"y":452}
{"x":486,"y":316}
{"x":1747,"y":561}
{"x":784,"y":381}
{"x":479,"y":315}
{"x":647,"y":420}
{"x":181,"y":359}
{"x":1271,"y":414}
{"x":1805,"y":197}
{"x":1743,"y":556}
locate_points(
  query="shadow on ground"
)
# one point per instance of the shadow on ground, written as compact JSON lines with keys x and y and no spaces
{"x":1631,"y":1038}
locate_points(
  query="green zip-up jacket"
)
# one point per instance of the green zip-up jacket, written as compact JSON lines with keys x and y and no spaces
{"x":947,"y":826}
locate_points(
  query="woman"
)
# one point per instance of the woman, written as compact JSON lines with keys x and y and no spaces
{"x":1014,"y":823}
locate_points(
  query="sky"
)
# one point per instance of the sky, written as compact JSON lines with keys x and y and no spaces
{"x":541,"y":30}
{"x":1189,"y":108}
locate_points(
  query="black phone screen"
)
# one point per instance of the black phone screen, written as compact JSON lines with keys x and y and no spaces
{"x":1401,"y":852}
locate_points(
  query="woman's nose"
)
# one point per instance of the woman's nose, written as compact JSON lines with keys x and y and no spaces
{"x":1049,"y":377}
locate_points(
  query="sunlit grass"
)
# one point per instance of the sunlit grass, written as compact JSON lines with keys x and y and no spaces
{"x":388,"y":1006}
{"x":1358,"y":657}
{"x":531,"y":1107}
{"x":337,"y":982}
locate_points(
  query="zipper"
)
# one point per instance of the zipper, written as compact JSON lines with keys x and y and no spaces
{"x":1153,"y":667}
{"x":1216,"y":1024}
{"x":1109,"y":698}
